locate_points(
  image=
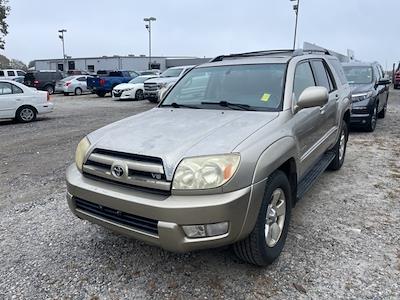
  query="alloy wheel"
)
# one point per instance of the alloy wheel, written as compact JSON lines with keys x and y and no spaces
{"x":275,"y":219}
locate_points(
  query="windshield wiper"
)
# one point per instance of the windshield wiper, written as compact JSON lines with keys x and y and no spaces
{"x":230,"y":105}
{"x":179,"y":105}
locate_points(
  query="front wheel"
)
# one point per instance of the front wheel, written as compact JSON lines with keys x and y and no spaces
{"x":50,"y":89}
{"x":78,"y":91}
{"x":373,"y":119}
{"x":340,"y":148}
{"x":139,"y":95}
{"x":266,"y":241}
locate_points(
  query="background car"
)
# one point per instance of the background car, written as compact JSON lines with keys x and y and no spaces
{"x":134,"y":89}
{"x":370,"y":92}
{"x":153,"y":87}
{"x":11,"y":74}
{"x":73,"y":84}
{"x":103,"y":84}
{"x":43,"y":80}
{"x":17,"y":101}
{"x":150,"y":72}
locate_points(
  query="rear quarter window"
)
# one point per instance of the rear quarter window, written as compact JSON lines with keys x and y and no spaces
{"x":338,"y":69}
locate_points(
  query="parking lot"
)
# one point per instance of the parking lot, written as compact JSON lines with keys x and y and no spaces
{"x":343,"y":240}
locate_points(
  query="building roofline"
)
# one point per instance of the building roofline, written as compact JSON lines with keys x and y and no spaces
{"x":118,"y":56}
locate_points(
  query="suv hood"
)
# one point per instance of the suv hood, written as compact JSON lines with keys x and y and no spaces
{"x":361,"y":88}
{"x":173,"y":134}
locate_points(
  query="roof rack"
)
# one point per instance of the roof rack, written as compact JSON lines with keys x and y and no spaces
{"x":285,"y":52}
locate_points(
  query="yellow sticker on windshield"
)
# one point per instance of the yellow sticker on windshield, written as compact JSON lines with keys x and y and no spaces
{"x":265,"y":97}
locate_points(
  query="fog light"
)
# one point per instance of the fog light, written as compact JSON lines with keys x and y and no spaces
{"x":206,"y":230}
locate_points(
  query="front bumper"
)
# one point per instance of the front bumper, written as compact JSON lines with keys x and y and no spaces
{"x":151,"y":95}
{"x":169,"y":211}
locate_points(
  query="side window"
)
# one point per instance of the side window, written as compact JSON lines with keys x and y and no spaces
{"x":320,"y":74}
{"x":378,"y":75}
{"x":331,"y":79}
{"x":339,"y":70}
{"x":16,"y":89}
{"x":303,"y":78}
{"x":1,"y":73}
{"x":5,"y":88}
{"x":20,"y":73}
{"x":10,"y":73}
{"x":81,"y":79}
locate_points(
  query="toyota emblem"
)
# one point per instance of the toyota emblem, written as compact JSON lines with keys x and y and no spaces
{"x":117,"y":170}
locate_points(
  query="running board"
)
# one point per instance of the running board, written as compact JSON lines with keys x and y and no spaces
{"x":306,"y":183}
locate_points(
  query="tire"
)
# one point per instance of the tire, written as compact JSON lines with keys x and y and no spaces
{"x":382,"y":113}
{"x":26,"y":114}
{"x":257,"y":249}
{"x":78,"y":91}
{"x":66,"y":94}
{"x":101,"y":94}
{"x":139,"y":95}
{"x":372,"y":120}
{"x":340,"y":148}
{"x":49,"y":89}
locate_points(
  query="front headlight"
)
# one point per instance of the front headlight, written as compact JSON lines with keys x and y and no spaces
{"x":81,"y":151}
{"x":361,"y":96}
{"x":205,"y":172}
{"x":162,"y":85}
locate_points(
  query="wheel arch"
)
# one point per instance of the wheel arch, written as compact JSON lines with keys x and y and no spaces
{"x":26,"y":105}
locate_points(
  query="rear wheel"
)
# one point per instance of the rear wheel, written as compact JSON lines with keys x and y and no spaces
{"x":139,"y":95}
{"x":101,"y":94}
{"x":26,"y":114}
{"x":266,"y":241}
{"x":78,"y":91}
{"x":340,"y":148}
{"x":49,"y":89}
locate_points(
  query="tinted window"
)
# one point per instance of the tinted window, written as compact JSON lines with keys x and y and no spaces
{"x":115,"y":74}
{"x":303,"y":78}
{"x":10,"y":73}
{"x":5,"y":88}
{"x":20,"y":73}
{"x":320,"y":74}
{"x":81,"y":79}
{"x":172,"y":72}
{"x":1,"y":73}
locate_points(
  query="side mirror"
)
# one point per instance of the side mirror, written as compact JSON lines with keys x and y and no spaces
{"x":384,"y":81}
{"x":312,"y":97}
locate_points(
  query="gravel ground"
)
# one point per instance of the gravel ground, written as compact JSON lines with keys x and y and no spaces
{"x":343,"y":240}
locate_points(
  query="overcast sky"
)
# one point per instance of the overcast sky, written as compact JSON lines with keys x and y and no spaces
{"x":201,"y":27}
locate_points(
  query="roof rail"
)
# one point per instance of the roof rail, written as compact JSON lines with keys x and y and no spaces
{"x":286,"y":52}
{"x":254,"y":53}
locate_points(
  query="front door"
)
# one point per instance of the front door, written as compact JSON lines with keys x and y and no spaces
{"x":8,"y":103}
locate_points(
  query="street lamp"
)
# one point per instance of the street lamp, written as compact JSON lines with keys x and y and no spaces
{"x":61,"y":36}
{"x":148,"y":27}
{"x":296,"y":6}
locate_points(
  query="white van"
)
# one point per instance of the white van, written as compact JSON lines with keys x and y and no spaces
{"x":12,"y":74}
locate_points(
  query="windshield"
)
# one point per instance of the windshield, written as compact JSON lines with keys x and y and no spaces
{"x":259,"y":87}
{"x":358,"y":74}
{"x":172,"y":72}
{"x":139,"y":79}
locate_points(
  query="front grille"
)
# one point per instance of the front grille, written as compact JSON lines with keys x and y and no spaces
{"x":135,"y":222}
{"x":150,"y":87}
{"x":128,"y":169}
{"x":117,"y":93}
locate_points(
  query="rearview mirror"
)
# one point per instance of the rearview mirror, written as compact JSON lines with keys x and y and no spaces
{"x":312,"y":97}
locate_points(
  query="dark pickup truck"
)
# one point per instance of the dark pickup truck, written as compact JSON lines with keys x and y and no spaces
{"x":104,"y":82}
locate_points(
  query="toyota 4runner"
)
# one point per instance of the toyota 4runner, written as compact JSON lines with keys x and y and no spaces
{"x":232,"y":147}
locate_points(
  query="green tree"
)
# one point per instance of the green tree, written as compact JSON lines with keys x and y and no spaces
{"x":4,"y":12}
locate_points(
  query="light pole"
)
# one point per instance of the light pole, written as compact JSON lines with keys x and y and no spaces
{"x":148,"y":27}
{"x":61,"y":36}
{"x":296,"y":6}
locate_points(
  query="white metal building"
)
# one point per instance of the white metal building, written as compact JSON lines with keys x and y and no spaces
{"x":131,"y":62}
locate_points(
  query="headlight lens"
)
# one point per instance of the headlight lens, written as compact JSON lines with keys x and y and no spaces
{"x":162,"y":85}
{"x":80,"y":153}
{"x":361,"y":96}
{"x":205,"y":172}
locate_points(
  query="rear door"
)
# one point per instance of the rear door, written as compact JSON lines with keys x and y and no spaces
{"x":324,"y":78}
{"x":82,"y":83}
{"x":8,"y":101}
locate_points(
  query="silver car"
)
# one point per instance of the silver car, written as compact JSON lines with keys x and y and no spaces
{"x":72,"y":85}
{"x":224,"y":157}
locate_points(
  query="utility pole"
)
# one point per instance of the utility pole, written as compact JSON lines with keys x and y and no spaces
{"x":296,"y":6}
{"x":148,"y":27}
{"x":61,"y":36}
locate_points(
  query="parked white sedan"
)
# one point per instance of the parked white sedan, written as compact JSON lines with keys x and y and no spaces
{"x":73,"y":84}
{"x":132,"y":90}
{"x":17,"y":101}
